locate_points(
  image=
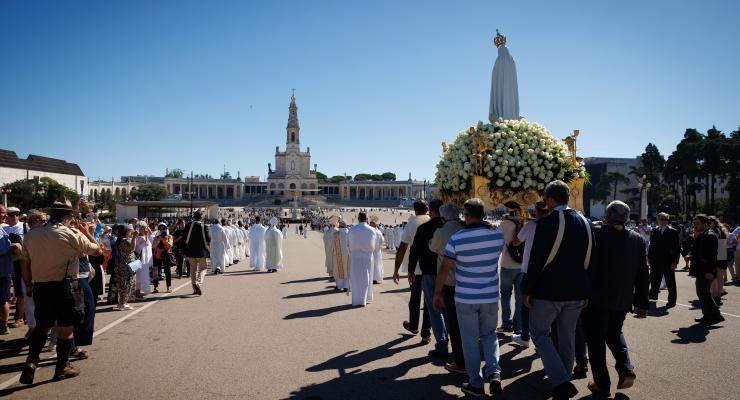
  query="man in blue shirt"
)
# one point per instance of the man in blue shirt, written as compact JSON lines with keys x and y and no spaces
{"x":474,"y":252}
{"x":6,"y":275}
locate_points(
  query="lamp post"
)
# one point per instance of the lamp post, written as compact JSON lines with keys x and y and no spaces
{"x":5,"y":196}
{"x":644,"y":186}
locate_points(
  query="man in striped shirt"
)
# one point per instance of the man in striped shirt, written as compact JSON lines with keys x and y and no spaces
{"x":474,"y":252}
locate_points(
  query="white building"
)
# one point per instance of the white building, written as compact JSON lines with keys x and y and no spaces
{"x":13,"y":169}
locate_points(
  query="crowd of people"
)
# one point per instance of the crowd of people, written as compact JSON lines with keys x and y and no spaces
{"x":573,"y":280}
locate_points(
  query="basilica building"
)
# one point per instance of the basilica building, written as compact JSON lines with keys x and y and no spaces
{"x":292,"y":176}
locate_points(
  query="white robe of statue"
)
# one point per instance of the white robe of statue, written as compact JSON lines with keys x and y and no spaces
{"x":378,"y":257}
{"x":257,"y":246}
{"x":341,"y":271}
{"x":362,"y":241}
{"x":274,"y":248}
{"x":219,"y":244}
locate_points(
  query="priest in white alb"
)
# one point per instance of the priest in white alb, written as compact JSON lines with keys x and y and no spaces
{"x":218,"y":248}
{"x":377,"y":274}
{"x":274,"y":246}
{"x":362,"y":240}
{"x":257,"y":245}
{"x":329,"y":232}
{"x":340,"y":269}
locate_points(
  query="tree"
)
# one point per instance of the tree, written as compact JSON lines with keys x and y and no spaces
{"x":321,"y":177}
{"x":149,"y":192}
{"x":28,"y":194}
{"x":652,"y":167}
{"x":175,"y":173}
{"x":389,"y":176}
{"x":336,"y":178}
{"x":713,"y":163}
{"x":609,"y":185}
{"x":362,"y":177}
{"x":376,"y":177}
{"x":226,"y":175}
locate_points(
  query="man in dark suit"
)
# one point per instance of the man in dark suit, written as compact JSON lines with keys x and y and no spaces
{"x":619,"y":278}
{"x":196,"y":244}
{"x":704,"y":269}
{"x":663,"y":254}
{"x":557,"y":285}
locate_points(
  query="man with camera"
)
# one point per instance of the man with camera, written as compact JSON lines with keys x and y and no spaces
{"x":50,"y":256}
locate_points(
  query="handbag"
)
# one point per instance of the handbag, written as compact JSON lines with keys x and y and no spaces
{"x":135,"y":266}
{"x":71,"y":289}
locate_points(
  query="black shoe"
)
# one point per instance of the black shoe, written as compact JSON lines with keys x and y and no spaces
{"x":653,"y":298}
{"x":505,"y":329}
{"x":467,"y":388}
{"x":198,"y":291}
{"x":700,"y":320}
{"x":29,"y":370}
{"x":670,"y":304}
{"x":495,"y":388}
{"x":564,"y":391}
{"x":712,"y":321}
{"x":626,"y":379}
{"x":580,"y":371}
{"x":407,"y":326}
{"x":438,"y":354}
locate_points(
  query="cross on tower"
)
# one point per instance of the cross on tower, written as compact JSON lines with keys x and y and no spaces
{"x":293,"y":91}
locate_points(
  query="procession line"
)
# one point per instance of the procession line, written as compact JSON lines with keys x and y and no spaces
{"x":102,"y":330}
{"x":689,"y":307}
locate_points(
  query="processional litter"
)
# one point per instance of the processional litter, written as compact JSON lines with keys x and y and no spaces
{"x":510,"y":158}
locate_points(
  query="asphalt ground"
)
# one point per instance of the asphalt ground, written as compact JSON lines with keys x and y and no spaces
{"x":289,"y":335}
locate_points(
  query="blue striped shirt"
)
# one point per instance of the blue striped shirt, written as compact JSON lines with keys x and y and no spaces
{"x":476,"y":250}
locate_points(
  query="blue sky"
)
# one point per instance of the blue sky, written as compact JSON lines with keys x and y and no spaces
{"x":135,"y":87}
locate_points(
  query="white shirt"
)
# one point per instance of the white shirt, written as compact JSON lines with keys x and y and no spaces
{"x":508,"y":228}
{"x":526,"y":235}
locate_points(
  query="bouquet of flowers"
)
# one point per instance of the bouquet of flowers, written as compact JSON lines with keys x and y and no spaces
{"x":515,"y":155}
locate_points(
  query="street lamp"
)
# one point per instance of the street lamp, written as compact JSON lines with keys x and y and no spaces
{"x":644,"y":186}
{"x":5,"y":196}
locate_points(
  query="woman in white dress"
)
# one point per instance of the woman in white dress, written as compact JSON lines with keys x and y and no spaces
{"x":143,"y":250}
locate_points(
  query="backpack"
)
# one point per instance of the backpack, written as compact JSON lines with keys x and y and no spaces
{"x":516,"y":252}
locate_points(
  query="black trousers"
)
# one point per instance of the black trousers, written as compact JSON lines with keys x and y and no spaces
{"x":453,"y":328}
{"x":183,"y":266}
{"x":603,"y":329}
{"x":703,"y":291}
{"x":162,"y":264}
{"x":657,"y":273}
{"x":415,"y":309}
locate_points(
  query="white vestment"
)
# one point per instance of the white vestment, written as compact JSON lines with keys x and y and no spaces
{"x":274,"y":248}
{"x":390,"y":238}
{"x":219,"y":245}
{"x":143,"y":275}
{"x":362,"y":240}
{"x":378,"y":257}
{"x":285,"y":232}
{"x":330,"y":260}
{"x":229,"y":246}
{"x":341,"y":271}
{"x":257,"y":246}
{"x":246,"y":240}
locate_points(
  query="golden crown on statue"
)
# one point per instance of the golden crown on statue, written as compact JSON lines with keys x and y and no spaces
{"x":499,"y":40}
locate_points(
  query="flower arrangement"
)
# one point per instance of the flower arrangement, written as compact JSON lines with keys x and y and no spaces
{"x":515,"y":155}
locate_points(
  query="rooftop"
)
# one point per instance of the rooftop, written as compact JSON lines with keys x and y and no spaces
{"x":9,"y":159}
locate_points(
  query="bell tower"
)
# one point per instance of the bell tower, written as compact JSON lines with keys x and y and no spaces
{"x":293,"y":137}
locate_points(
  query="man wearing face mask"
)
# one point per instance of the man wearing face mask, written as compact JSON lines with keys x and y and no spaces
{"x":51,"y":255}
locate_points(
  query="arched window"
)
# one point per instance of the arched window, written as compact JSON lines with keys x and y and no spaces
{"x":281,"y":186}
{"x":292,"y":186}
{"x":312,"y":186}
{"x":272,"y":186}
{"x":304,"y":186}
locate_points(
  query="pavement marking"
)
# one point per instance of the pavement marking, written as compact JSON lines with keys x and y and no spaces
{"x":102,"y":330}
{"x":688,"y":306}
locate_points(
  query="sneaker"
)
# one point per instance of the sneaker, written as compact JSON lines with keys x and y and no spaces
{"x":626,"y":379}
{"x":517,"y":339}
{"x":29,"y":370}
{"x":5,"y":331}
{"x":505,"y":329}
{"x":495,"y":388}
{"x":426,"y":340}
{"x":169,"y":290}
{"x":467,"y":388}
{"x":67,"y":372}
{"x":453,"y":367}
{"x":127,"y":307}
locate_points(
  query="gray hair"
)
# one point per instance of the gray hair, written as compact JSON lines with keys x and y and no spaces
{"x":664,"y":215}
{"x":617,"y":212}
{"x":558,"y":191}
{"x":449,"y":212}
